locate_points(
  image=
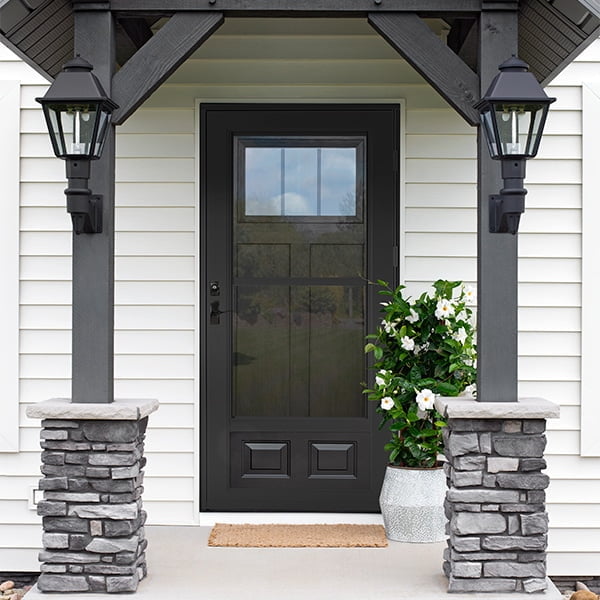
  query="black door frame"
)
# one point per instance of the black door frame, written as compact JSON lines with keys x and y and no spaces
{"x":377,"y":438}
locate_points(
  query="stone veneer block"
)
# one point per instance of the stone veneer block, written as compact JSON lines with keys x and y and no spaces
{"x":92,"y":516}
{"x":495,"y":501}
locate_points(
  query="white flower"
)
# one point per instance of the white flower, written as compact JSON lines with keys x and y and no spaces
{"x":462,"y":316}
{"x":425,"y":399}
{"x":470,"y":391}
{"x":384,"y":303}
{"x":470,"y":294}
{"x":408,"y":343}
{"x":413,"y":317}
{"x":379,"y":380}
{"x":444,"y":309}
{"x":460,"y":335}
{"x":388,"y":327}
{"x":387,"y":403}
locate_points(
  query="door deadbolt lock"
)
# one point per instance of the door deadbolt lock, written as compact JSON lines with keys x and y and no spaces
{"x":214,"y":288}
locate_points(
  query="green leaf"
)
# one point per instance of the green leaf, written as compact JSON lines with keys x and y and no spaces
{"x":378,"y":352}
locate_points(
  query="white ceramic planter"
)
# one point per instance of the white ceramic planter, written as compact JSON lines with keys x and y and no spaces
{"x":412,"y":504}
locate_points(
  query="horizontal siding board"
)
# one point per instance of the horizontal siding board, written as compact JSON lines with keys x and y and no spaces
{"x":415,"y":95}
{"x":574,"y":540}
{"x":296,"y":47}
{"x":173,"y":293}
{"x":171,"y":391}
{"x":566,"y":368}
{"x":437,"y":122}
{"x":555,"y":245}
{"x":560,"y":392}
{"x":557,"y":196}
{"x":154,"y":342}
{"x":562,"y":442}
{"x":171,"y":513}
{"x":586,"y":515}
{"x":141,"y":194}
{"x":570,"y":491}
{"x":572,"y":564}
{"x":543,"y":220}
{"x":155,"y":169}
{"x":163,"y":218}
{"x":430,"y":269}
{"x":45,"y":292}
{"x":433,"y":220}
{"x":17,"y":560}
{"x":440,"y":170}
{"x":150,"y":146}
{"x":537,"y":344}
{"x":553,"y":171}
{"x":297,"y":72}
{"x":567,"y":270}
{"x":440,"y":244}
{"x":550,"y":294}
{"x":549,"y":319}
{"x":154,"y":317}
{"x":154,"y":268}
{"x":557,"y":147}
{"x":440,"y":195}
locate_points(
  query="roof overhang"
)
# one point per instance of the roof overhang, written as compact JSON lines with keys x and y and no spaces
{"x":551,"y":32}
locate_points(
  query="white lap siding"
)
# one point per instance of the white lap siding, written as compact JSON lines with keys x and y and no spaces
{"x":156,"y":321}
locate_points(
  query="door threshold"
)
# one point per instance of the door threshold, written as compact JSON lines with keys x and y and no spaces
{"x":208,"y":519}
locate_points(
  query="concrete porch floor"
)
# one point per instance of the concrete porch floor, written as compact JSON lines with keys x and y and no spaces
{"x":182,"y":566}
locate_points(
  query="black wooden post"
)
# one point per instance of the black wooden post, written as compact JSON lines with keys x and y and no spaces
{"x":497,"y":253}
{"x":93,"y":254}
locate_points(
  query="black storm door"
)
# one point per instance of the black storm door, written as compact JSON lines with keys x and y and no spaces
{"x":299,"y":211}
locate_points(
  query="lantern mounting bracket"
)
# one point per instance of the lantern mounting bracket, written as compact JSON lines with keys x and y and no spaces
{"x":84,"y":207}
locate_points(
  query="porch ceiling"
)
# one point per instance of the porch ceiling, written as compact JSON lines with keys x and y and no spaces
{"x":551,"y":32}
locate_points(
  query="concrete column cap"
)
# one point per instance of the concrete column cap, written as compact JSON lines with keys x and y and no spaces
{"x":123,"y":409}
{"x":469,"y":408}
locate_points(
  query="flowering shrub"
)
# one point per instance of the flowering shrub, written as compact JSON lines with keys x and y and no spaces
{"x":422,"y":348}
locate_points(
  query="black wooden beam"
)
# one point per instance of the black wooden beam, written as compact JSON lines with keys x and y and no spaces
{"x":299,"y":7}
{"x":157,"y":60}
{"x":93,"y":254}
{"x":408,"y":34}
{"x":497,"y":255}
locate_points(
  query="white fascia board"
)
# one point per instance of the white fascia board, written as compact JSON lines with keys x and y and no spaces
{"x":590,"y":282}
{"x":10,"y":92}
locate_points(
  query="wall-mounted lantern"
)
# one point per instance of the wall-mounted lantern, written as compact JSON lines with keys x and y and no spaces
{"x":513,"y":114}
{"x":78,"y":112}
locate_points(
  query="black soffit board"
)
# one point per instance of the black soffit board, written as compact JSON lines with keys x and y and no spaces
{"x":551,"y":32}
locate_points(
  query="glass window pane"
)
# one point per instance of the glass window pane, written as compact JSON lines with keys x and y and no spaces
{"x":262,"y":179}
{"x":301,"y":177}
{"x":300,"y":169}
{"x":338,"y":181}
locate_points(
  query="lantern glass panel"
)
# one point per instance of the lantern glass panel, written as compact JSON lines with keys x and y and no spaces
{"x":519,"y":128}
{"x":102,"y":133}
{"x":487,"y":120}
{"x":73,"y":129}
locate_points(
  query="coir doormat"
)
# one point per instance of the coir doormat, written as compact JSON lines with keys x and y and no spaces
{"x":298,"y":536}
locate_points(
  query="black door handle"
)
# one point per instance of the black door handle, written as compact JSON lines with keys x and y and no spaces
{"x":216,"y":312}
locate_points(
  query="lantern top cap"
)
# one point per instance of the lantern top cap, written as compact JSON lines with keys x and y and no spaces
{"x":77,"y":84}
{"x":514,"y":84}
{"x":77,"y":64}
{"x":515,"y":65}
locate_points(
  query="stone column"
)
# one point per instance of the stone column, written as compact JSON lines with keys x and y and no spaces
{"x":495,"y":501}
{"x":92,"y":516}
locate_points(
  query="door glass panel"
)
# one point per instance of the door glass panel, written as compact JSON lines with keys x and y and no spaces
{"x":300,"y":177}
{"x":299,"y":268}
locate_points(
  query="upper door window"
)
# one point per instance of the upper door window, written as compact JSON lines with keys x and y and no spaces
{"x":302,"y":178}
